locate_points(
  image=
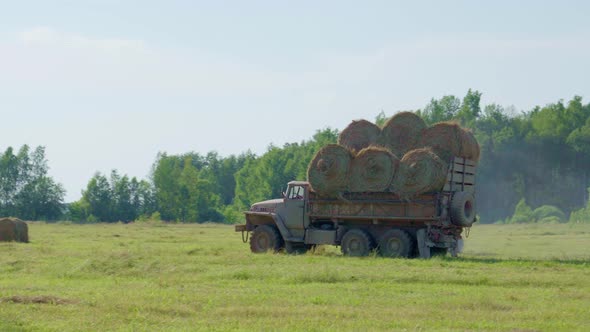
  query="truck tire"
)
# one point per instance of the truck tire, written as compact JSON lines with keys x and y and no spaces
{"x":463,"y":209}
{"x":265,"y":238}
{"x":356,"y":243}
{"x":396,"y":243}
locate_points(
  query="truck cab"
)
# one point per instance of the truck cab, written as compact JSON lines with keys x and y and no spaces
{"x":286,"y":215}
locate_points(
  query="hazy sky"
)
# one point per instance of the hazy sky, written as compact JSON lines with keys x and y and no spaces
{"x":107,"y":84}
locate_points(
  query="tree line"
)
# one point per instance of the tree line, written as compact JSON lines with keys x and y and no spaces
{"x":534,"y":167}
{"x":26,"y":190}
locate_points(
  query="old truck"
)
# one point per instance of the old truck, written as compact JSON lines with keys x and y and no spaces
{"x":359,"y":223}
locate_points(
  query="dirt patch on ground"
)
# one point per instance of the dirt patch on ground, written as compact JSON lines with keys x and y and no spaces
{"x":39,"y":299}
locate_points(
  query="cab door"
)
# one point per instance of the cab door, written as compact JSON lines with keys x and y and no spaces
{"x":294,"y":211}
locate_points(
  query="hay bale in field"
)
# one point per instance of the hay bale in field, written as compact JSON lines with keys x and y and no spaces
{"x":13,"y":229}
{"x":22,"y":231}
{"x":401,"y":132}
{"x":358,"y":135}
{"x":372,"y":169}
{"x":7,"y":229}
{"x":420,"y":171}
{"x":328,"y":171}
{"x":449,"y":139}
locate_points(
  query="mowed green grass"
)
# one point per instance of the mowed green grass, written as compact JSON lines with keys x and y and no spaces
{"x":202,"y":277}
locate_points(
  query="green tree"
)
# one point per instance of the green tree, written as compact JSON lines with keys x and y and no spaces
{"x":522,"y":213}
{"x":99,"y":196}
{"x":40,"y":199}
{"x":381,"y":119}
{"x":26,"y":190}
{"x":579,"y":138}
{"x":470,"y":108}
{"x":443,"y":109}
{"x":123,"y":206}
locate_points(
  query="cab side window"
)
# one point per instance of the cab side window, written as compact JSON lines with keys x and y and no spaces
{"x":296,"y":192}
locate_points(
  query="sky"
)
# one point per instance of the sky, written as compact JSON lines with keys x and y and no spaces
{"x":108,"y":84}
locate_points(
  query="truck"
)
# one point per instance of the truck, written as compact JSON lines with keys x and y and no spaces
{"x":361,"y":223}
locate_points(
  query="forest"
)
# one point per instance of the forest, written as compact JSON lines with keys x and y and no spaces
{"x":533,"y":168}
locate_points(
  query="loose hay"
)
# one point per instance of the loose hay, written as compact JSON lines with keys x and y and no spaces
{"x":13,"y":229}
{"x":401,"y":132}
{"x":372,"y":170}
{"x":328,"y":172}
{"x":359,"y":134}
{"x":420,"y":171}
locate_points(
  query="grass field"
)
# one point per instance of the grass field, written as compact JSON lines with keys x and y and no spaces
{"x":202,"y":277}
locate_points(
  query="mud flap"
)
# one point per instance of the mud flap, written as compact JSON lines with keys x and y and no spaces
{"x":457,"y":248}
{"x":423,"y":249}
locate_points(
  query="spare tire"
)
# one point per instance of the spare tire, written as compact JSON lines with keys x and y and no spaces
{"x":463,"y":209}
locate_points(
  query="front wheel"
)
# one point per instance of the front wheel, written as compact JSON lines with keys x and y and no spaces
{"x":356,"y":243}
{"x":265,"y":238}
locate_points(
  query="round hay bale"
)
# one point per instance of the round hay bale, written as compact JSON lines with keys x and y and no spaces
{"x":372,"y":169}
{"x":22,"y":231}
{"x":328,"y":171}
{"x":444,"y":138}
{"x":401,"y":132}
{"x":358,"y":135}
{"x":469,"y":145}
{"x":420,"y":171}
{"x":449,"y":139}
{"x":7,"y":229}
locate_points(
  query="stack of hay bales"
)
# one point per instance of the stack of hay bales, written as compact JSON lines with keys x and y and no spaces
{"x":405,"y":156}
{"x":13,"y":229}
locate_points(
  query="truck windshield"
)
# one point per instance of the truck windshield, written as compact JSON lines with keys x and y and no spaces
{"x":296,"y":192}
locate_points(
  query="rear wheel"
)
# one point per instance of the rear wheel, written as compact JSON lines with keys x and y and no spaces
{"x":265,"y":238}
{"x":356,"y":243}
{"x":396,"y":243}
